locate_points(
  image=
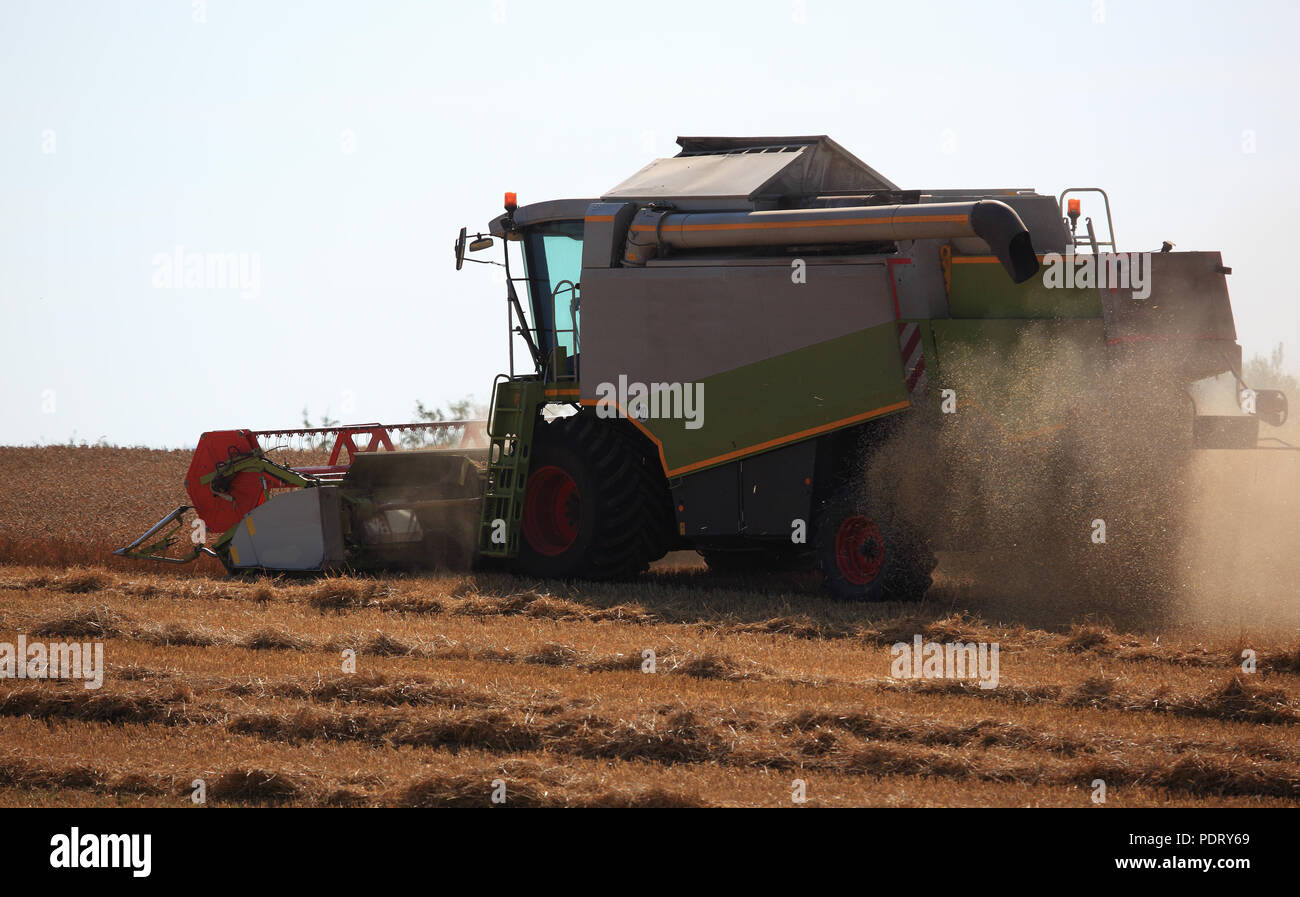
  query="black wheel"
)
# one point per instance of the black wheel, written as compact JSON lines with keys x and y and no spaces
{"x":749,"y":560}
{"x":866,"y":556}
{"x":593,"y":508}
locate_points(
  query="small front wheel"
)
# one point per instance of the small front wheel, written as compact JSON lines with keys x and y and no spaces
{"x":865,"y":556}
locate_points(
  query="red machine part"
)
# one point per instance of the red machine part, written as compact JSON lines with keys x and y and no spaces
{"x":552,"y":511}
{"x":222,"y":510}
{"x":344,"y":441}
{"x":859,"y":550}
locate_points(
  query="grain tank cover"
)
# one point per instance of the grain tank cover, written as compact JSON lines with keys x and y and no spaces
{"x":742,"y":172}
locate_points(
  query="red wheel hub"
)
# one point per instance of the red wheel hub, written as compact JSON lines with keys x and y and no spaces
{"x":859,"y":550}
{"x":552,"y":511}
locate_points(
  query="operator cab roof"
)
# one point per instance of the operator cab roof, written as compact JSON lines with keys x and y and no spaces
{"x":739,"y":172}
{"x":723,"y":173}
{"x":541,"y":212}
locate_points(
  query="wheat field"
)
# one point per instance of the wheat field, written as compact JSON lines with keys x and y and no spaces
{"x":467,"y":686}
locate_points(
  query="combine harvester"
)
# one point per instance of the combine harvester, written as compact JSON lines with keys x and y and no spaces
{"x":711,"y":346}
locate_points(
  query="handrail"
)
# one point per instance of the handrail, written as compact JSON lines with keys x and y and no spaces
{"x":1092,"y":237}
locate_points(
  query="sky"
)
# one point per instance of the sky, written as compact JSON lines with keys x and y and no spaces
{"x":334,"y":149}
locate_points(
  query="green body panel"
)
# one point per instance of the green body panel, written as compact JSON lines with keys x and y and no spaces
{"x":983,"y":290}
{"x":762,"y":405}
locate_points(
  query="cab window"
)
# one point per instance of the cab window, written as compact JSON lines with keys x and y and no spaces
{"x":553,"y":264}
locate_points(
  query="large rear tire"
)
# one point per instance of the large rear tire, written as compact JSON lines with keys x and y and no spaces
{"x":595,"y":507}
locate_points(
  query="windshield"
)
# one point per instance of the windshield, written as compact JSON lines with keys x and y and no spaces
{"x":553,"y":264}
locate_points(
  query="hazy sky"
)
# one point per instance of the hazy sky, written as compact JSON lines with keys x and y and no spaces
{"x":339,"y":146}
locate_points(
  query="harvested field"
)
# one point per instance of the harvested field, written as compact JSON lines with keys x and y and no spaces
{"x":462,"y":681}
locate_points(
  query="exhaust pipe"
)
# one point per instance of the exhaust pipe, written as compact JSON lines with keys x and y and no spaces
{"x":996,"y":223}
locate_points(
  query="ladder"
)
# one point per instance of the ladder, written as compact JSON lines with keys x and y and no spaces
{"x":510,"y":429}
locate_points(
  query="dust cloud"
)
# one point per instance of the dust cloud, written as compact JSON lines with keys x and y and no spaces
{"x":1049,"y":450}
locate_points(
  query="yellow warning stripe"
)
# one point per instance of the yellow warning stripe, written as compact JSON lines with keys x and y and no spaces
{"x":792,"y":437}
{"x":978,"y":259}
{"x":757,"y":447}
{"x":834,"y":222}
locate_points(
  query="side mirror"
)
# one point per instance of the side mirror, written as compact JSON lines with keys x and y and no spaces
{"x":1271,"y":406}
{"x":480,"y":244}
{"x":460,"y":249}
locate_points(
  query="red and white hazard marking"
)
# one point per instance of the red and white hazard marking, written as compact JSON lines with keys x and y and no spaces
{"x":909,"y":341}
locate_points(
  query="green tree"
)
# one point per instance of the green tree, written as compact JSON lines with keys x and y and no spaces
{"x":324,"y":441}
{"x":1268,"y":373}
{"x":464,"y":409}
